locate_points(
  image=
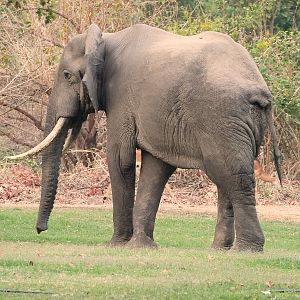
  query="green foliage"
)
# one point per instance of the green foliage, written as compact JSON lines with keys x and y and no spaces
{"x":288,"y":17}
{"x":45,"y":10}
{"x":278,"y":58}
{"x":268,"y":29}
{"x":250,"y":15}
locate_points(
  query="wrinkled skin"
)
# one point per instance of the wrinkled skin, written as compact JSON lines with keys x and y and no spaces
{"x":188,"y":102}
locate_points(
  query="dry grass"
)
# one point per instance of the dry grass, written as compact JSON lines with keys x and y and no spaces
{"x":91,"y":186}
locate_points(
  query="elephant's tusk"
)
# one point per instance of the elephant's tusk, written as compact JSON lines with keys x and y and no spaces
{"x":44,"y":143}
{"x":69,"y":141}
{"x":72,"y":136}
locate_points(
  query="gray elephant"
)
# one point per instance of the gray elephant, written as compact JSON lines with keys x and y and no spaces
{"x":187,"y":102}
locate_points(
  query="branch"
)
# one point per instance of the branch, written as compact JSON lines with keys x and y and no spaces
{"x":52,"y":41}
{"x":10,"y":109}
{"x":14,"y":139}
{"x":77,"y":28}
{"x":274,"y":17}
{"x":6,"y":124}
{"x":41,"y":102}
{"x":35,"y":121}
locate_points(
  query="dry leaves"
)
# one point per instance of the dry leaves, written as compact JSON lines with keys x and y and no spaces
{"x":17,"y":183}
{"x":91,"y":186}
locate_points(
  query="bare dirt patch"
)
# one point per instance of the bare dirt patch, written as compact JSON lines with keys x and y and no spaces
{"x":289,"y":213}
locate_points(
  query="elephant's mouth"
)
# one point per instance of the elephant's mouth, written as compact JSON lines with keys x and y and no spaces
{"x":76,"y":123}
{"x":74,"y":131}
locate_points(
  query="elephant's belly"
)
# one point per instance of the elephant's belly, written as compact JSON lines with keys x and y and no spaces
{"x":168,"y":132}
{"x":177,"y":151}
{"x":183,"y":161}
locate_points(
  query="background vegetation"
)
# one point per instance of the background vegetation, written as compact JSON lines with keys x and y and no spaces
{"x":33,"y":34}
{"x":71,"y":260}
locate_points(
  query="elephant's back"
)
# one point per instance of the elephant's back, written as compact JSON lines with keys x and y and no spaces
{"x":216,"y":54}
{"x":211,"y":52}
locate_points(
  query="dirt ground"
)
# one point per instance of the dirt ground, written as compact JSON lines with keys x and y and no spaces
{"x":284,"y":213}
{"x":187,"y":192}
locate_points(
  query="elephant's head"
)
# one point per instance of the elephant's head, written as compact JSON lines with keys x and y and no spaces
{"x":76,"y":93}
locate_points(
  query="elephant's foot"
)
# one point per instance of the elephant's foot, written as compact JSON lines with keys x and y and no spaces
{"x":246,"y":246}
{"x":221,"y":245}
{"x":117,"y":241}
{"x":224,"y":238}
{"x":141,"y":241}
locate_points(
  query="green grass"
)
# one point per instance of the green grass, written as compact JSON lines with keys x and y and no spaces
{"x":31,"y":163}
{"x":71,"y":260}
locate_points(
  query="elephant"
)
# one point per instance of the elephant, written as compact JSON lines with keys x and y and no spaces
{"x":194,"y":102}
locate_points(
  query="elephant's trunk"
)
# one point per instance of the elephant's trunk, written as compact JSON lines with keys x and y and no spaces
{"x":50,"y":170}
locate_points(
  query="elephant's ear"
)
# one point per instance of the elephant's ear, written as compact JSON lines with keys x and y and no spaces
{"x":94,"y":52}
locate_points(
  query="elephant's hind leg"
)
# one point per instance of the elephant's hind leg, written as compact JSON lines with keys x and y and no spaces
{"x":224,"y":232}
{"x":249,"y":235}
{"x":153,"y":178}
{"x":234,"y":177}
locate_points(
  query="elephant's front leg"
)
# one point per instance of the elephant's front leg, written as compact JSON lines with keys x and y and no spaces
{"x":153,"y":178}
{"x":121,"y":162}
{"x":224,"y":232}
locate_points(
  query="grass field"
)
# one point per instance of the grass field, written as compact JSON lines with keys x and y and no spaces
{"x":72,"y":261}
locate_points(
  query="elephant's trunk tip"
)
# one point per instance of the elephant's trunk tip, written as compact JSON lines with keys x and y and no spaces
{"x":41,"y":227}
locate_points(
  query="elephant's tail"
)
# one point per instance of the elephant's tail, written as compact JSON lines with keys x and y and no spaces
{"x":276,"y":151}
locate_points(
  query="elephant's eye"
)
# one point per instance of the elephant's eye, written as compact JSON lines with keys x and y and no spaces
{"x":67,"y":75}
